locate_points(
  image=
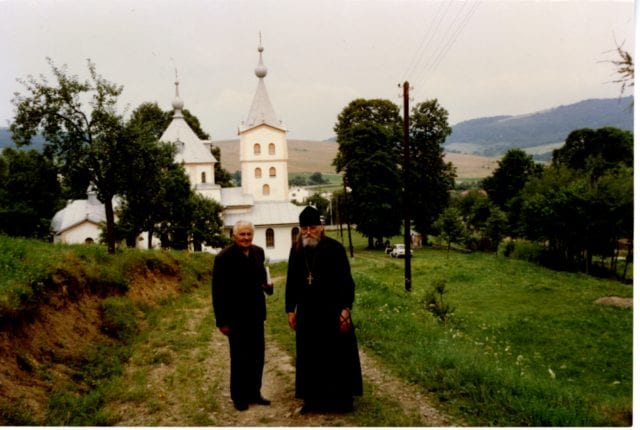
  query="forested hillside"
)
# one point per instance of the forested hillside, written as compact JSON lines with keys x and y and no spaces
{"x":492,"y":136}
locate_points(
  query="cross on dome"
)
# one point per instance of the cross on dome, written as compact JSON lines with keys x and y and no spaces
{"x":261,"y":70}
{"x":177,"y":103}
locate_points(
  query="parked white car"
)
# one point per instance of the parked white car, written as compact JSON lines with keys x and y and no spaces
{"x":398,"y":250}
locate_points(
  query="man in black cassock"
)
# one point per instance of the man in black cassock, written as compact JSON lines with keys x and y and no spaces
{"x":318,"y":299}
{"x":238,"y":286}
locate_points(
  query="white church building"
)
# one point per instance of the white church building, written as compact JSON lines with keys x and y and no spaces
{"x":263,"y":198}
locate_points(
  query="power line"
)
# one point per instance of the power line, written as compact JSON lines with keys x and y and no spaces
{"x":427,"y":39}
{"x":429,"y":56}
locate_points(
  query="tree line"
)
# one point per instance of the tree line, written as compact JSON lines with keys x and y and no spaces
{"x":574,"y":210}
{"x":571,"y":212}
{"x":88,"y":143}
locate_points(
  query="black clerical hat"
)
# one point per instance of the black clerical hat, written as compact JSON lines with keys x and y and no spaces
{"x":309,"y":216}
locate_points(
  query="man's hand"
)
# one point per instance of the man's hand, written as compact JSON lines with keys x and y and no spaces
{"x":291,"y":316}
{"x":345,"y":320}
{"x":225,"y":330}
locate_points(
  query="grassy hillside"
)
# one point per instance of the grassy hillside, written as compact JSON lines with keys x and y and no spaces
{"x":316,"y":156}
{"x":520,"y":345}
{"x":67,"y":316}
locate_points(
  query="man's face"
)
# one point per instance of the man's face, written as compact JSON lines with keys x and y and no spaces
{"x":311,"y":235}
{"x":243,"y":237}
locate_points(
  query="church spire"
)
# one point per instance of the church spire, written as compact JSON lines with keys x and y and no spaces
{"x":177,"y":103}
{"x":261,"y":70}
{"x":261,"y":111}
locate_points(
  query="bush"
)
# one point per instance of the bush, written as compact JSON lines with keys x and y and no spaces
{"x":522,"y":250}
{"x":434,"y":301}
{"x":118,"y":318}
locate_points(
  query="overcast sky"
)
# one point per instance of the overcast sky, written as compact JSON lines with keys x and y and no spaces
{"x":478,"y":58}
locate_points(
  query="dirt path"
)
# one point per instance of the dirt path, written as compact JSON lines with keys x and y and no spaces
{"x":191,"y":387}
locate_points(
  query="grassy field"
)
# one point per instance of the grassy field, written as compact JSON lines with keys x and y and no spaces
{"x":309,"y":156}
{"x":524,"y":346}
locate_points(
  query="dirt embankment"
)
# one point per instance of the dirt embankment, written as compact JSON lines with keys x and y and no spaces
{"x":37,"y":348}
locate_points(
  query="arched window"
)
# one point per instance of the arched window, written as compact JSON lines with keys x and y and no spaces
{"x":256,"y":149}
{"x":272,"y":149}
{"x":266,"y":190}
{"x":271,"y":238}
{"x":272,"y":172}
{"x":295,"y":231}
{"x":258,"y":172}
{"x":203,"y":177}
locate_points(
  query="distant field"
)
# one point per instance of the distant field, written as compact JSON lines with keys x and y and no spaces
{"x":317,"y":156}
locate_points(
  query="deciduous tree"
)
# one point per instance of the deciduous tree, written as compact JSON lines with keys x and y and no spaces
{"x":82,"y":129}
{"x":430,"y":177}
{"x":30,"y":194}
{"x":368,"y":134}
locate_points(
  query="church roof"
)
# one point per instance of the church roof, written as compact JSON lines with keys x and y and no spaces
{"x":77,"y":212}
{"x":234,"y":197}
{"x":267,"y":213}
{"x":190,"y":148}
{"x":261,"y":111}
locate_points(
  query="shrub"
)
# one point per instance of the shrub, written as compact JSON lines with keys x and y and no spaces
{"x":434,"y":301}
{"x":118,"y":318}
{"x":522,"y":250}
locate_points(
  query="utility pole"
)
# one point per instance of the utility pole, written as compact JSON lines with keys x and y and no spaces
{"x":346,"y":214}
{"x":407,"y":212}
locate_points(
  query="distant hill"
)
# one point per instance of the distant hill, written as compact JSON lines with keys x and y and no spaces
{"x":7,"y":142}
{"x":538,"y":132}
{"x":304,"y":155}
{"x":317,"y":156}
{"x":473,"y":147}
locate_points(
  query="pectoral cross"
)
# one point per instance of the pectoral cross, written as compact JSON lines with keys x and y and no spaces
{"x":310,"y":278}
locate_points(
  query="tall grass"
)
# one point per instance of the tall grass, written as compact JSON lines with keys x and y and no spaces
{"x":526,"y":346}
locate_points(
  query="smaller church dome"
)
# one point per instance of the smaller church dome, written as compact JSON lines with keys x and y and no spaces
{"x":261,"y":71}
{"x":177,"y":103}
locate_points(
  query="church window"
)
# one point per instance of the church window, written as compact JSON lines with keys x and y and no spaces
{"x":272,"y":172}
{"x":270,"y":237}
{"x":266,"y":190}
{"x":256,"y":149}
{"x":272,"y":149}
{"x":258,"y":173}
{"x":203,"y":177}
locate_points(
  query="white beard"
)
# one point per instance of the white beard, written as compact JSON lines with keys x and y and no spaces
{"x":310,"y":242}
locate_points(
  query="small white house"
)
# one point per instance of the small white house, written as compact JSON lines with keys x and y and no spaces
{"x":80,"y":221}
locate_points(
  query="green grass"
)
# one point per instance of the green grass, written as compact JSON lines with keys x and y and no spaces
{"x":526,"y":346}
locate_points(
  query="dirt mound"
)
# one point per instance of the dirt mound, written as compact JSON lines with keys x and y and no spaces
{"x":35,"y":351}
{"x":620,"y":302}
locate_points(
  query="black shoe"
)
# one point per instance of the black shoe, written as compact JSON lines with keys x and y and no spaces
{"x":261,"y":401}
{"x":241,"y":406}
{"x":311,"y":408}
{"x":306,"y":409}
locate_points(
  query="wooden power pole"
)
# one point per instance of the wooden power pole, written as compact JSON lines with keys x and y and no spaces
{"x":406,"y":197}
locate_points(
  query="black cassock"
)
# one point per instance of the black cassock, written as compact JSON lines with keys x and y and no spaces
{"x":319,"y":286}
{"x":239,"y":302}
